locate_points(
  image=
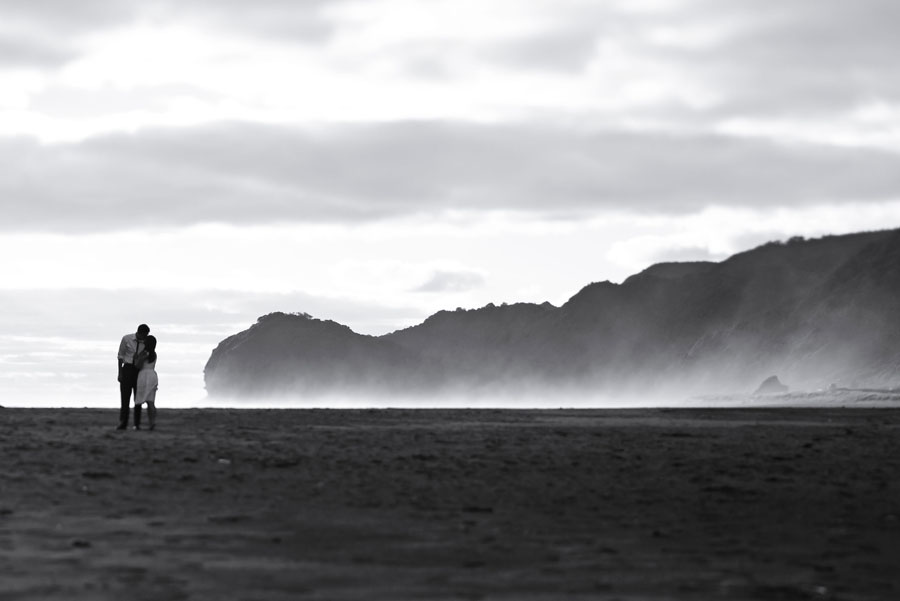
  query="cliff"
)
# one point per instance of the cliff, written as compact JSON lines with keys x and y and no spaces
{"x":815,"y":312}
{"x":294,"y":353}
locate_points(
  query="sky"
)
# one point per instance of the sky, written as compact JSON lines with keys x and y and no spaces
{"x":196,"y":164}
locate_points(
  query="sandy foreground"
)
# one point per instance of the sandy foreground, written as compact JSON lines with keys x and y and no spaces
{"x":452,"y":504}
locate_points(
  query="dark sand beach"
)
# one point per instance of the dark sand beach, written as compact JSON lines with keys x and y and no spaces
{"x":786,"y":504}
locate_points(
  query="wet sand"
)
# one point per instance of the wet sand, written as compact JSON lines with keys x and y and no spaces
{"x":451,"y":504}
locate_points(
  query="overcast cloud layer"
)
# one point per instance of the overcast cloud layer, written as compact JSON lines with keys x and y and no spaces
{"x":371,"y":161}
{"x":245,"y":173}
{"x":237,"y":112}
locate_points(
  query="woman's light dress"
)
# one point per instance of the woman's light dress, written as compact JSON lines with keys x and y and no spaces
{"x":147,"y":383}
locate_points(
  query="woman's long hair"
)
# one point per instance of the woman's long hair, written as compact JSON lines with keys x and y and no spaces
{"x":150,"y":345}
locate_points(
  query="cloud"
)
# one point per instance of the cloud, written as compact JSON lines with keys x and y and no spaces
{"x":679,"y":64}
{"x":567,"y":50}
{"x":246,"y":173}
{"x":45,"y":33}
{"x":686,"y":253}
{"x":303,"y":22}
{"x":23,"y":51}
{"x":82,"y":104}
{"x":790,"y":59}
{"x":298,"y":21}
{"x":62,"y":16}
{"x":797,"y":57}
{"x":452,"y":281}
{"x":48,"y":33}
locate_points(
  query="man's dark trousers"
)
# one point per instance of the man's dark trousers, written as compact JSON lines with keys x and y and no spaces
{"x":127,"y":387}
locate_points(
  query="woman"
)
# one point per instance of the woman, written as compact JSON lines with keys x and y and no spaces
{"x":147,"y":383}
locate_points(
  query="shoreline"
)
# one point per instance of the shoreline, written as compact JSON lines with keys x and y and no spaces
{"x":824,"y":398}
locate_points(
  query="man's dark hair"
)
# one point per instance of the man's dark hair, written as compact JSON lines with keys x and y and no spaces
{"x":143,"y":329}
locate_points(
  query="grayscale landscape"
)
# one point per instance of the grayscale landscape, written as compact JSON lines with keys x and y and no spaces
{"x":769,"y":493}
{"x":449,"y":300}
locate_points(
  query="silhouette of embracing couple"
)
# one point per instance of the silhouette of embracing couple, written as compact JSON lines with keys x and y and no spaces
{"x":137,"y":376}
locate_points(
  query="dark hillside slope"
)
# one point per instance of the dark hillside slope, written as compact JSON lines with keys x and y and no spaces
{"x":296,"y":354}
{"x":815,"y":312}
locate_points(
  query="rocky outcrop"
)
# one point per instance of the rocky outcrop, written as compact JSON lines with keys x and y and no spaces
{"x":296,"y":354}
{"x":771,"y":385}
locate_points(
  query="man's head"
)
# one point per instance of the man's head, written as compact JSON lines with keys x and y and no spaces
{"x":142,"y":331}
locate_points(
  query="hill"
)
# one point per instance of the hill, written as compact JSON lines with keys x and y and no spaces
{"x":815,"y":312}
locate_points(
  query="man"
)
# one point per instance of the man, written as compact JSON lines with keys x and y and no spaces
{"x":131,"y":345}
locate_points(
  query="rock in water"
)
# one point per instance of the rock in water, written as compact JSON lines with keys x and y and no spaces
{"x":771,"y":385}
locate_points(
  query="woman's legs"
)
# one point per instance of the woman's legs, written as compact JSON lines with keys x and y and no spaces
{"x":151,"y":412}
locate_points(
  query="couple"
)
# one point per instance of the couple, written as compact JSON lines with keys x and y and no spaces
{"x":137,"y":374}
